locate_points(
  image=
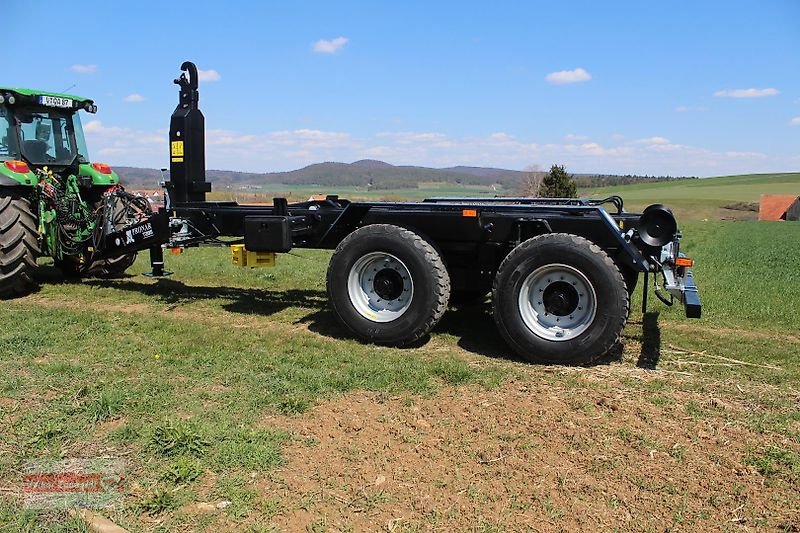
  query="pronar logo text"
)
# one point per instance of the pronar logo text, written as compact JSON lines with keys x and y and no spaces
{"x":145,"y":230}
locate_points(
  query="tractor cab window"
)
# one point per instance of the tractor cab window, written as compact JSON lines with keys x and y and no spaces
{"x":48,"y":137}
{"x":8,"y":137}
{"x":77,"y":132}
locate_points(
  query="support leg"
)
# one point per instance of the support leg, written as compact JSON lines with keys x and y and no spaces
{"x":645,"y":288}
{"x":157,"y":263}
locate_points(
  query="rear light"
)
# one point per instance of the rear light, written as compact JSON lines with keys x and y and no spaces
{"x":18,"y":166}
{"x":684,"y":262}
{"x":102,"y":168}
{"x":469,"y":213}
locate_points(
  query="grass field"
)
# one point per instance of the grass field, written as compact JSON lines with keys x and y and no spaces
{"x":703,"y":198}
{"x":228,"y":385}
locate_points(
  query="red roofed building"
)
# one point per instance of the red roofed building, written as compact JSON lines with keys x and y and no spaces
{"x":779,"y":207}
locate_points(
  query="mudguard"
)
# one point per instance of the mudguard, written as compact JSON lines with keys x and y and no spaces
{"x":5,"y":181}
{"x":9,"y":178}
{"x":98,"y":178}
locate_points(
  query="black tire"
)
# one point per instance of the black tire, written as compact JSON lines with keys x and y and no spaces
{"x":404,"y":263}
{"x":109,"y":267}
{"x":565,"y":277}
{"x":19,"y":245}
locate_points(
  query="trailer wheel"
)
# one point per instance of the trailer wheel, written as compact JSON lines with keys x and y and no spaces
{"x":387,"y":284}
{"x":559,"y":298}
{"x":19,"y":245}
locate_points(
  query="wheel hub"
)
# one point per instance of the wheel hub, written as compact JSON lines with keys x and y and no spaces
{"x":557,"y":302}
{"x":380,"y":287}
{"x":560,"y":298}
{"x":388,"y":284}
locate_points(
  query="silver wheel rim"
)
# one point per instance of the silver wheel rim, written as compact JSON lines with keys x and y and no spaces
{"x":557,"y":302}
{"x":380,"y":287}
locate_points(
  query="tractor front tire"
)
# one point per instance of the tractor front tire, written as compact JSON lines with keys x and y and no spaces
{"x":387,"y":284}
{"x":19,"y":245}
{"x":111,"y":267}
{"x":107,"y":268}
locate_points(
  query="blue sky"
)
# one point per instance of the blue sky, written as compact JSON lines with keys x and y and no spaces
{"x":691,"y":88}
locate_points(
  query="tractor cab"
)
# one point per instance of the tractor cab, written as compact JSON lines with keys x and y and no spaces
{"x":42,"y":129}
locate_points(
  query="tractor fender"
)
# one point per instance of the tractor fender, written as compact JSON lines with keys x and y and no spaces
{"x":5,"y":181}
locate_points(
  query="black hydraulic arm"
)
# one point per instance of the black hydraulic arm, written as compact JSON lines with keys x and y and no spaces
{"x":187,"y":162}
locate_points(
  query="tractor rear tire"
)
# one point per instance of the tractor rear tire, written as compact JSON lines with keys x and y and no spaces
{"x":560,"y":299}
{"x":19,"y":245}
{"x":387,"y":284}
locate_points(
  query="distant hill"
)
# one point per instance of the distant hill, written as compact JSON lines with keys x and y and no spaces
{"x":377,"y":175}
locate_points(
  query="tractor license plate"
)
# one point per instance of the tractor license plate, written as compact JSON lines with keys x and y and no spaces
{"x":55,"y":101}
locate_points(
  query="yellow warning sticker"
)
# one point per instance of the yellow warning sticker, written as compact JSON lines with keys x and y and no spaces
{"x":177,"y":160}
{"x":176,"y":148}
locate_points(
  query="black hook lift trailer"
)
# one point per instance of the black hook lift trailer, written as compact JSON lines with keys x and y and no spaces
{"x":560,"y":271}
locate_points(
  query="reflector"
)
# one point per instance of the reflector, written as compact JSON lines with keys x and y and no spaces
{"x":17,"y":166}
{"x":102,"y":168}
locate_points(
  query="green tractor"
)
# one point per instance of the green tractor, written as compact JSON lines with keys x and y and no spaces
{"x":54,"y":202}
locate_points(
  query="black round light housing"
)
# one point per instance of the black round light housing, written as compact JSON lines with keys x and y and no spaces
{"x":657,"y":225}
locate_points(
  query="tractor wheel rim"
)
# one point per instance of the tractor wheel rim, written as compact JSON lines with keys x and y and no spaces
{"x":557,"y":302}
{"x":380,"y":287}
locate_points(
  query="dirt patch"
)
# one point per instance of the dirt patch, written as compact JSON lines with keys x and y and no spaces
{"x":525,"y":455}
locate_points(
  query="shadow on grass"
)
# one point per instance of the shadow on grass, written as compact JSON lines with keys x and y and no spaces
{"x":650,"y":352}
{"x":471,"y":324}
{"x":476,"y":332}
{"x":245,"y":301}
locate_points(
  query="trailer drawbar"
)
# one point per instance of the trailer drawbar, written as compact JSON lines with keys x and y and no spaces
{"x":560,"y":271}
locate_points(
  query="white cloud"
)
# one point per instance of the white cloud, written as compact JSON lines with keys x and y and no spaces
{"x":208,"y":75}
{"x":331,"y":46}
{"x":84,"y":69}
{"x":123,"y":146}
{"x":290,"y":149}
{"x":651,"y":140}
{"x":573,"y":137}
{"x":795,"y":121}
{"x":568,"y":76}
{"x":747,"y":93}
{"x":134,"y":98}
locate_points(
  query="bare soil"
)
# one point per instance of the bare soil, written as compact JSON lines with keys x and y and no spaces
{"x":526,"y":456}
